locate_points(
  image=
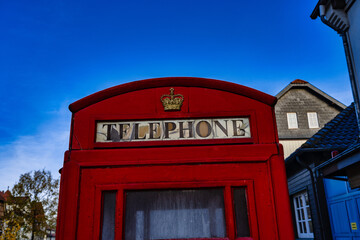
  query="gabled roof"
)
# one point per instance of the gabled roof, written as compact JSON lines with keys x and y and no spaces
{"x":338,"y":134}
{"x":298,"y":83}
{"x":4,"y":195}
{"x":336,"y":4}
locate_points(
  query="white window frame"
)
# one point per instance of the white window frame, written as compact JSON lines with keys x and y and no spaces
{"x":303,"y":221}
{"x":313,"y":120}
{"x":292,"y":120}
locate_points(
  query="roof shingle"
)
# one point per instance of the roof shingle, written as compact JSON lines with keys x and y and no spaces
{"x":339,"y":133}
{"x":299,"y":81}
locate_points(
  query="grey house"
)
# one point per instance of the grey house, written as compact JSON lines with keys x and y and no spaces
{"x":301,"y":111}
{"x":324,"y":205}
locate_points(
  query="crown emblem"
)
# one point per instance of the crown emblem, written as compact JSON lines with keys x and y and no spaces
{"x":173,"y":101}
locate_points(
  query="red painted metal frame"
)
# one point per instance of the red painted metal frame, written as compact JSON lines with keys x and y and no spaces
{"x":265,"y":167}
{"x":172,"y":82}
{"x":203,"y":98}
{"x":257,"y":162}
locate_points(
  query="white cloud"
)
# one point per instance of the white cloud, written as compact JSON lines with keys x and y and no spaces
{"x":45,"y":149}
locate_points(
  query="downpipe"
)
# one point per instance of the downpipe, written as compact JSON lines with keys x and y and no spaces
{"x":313,"y":183}
{"x":349,"y":61}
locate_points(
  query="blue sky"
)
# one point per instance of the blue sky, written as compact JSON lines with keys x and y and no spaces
{"x":53,"y":53}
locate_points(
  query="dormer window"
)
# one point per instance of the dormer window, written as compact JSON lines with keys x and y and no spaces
{"x":292,"y":120}
{"x":313,"y":120}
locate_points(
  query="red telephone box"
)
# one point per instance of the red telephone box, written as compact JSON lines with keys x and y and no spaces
{"x":174,"y":158}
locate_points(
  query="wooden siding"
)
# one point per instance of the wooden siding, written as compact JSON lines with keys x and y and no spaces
{"x":301,"y":181}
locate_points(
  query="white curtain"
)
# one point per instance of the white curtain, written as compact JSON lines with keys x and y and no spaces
{"x":174,"y":214}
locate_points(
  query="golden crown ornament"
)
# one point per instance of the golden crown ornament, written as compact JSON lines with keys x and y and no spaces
{"x":172,"y":102}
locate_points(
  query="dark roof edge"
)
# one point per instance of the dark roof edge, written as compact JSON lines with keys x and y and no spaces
{"x":336,"y":4}
{"x":349,"y":151}
{"x":284,"y":90}
{"x":315,"y":12}
{"x":300,"y":151}
{"x":313,"y":88}
{"x":343,"y":106}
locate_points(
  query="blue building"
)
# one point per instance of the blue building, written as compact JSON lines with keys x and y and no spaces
{"x":339,"y":175}
{"x":325,"y":200}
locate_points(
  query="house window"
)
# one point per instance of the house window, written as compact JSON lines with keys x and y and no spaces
{"x":292,"y":120}
{"x":175,"y":214}
{"x":313,"y":120}
{"x":50,"y":234}
{"x":303,"y":215}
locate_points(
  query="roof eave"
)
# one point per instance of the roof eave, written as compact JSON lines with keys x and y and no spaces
{"x":315,"y":12}
{"x":314,"y":89}
{"x":348,"y":153}
{"x":300,"y":151}
{"x":325,"y":95}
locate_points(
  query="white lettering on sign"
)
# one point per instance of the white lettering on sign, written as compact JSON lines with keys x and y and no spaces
{"x":189,"y":129}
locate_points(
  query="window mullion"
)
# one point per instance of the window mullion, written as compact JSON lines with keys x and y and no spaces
{"x":229,"y":213}
{"x":297,"y":217}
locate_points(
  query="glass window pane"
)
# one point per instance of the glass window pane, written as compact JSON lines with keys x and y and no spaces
{"x":313,"y":120}
{"x":301,"y":201}
{"x":311,"y":227}
{"x":174,"y":214}
{"x":302,"y":214}
{"x":241,"y":212}
{"x":308,"y":212}
{"x":306,"y":199}
{"x":108,"y":215}
{"x":301,"y":229}
{"x":297,"y":202}
{"x":292,"y":120}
